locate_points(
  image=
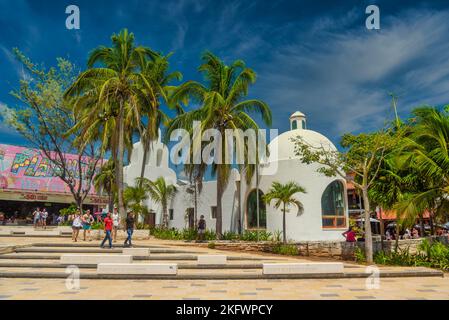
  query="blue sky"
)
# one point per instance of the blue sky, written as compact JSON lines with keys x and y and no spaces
{"x":313,"y":56}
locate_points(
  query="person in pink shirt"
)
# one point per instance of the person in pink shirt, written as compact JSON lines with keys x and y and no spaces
{"x":350,"y":235}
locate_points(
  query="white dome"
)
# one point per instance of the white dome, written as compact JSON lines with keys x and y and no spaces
{"x":297,"y":114}
{"x":283,"y":148}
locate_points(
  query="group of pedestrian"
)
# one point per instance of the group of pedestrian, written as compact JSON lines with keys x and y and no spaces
{"x":79,"y":222}
{"x":40,"y":218}
{"x":111,"y":224}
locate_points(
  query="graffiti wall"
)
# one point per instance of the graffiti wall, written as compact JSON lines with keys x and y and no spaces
{"x":26,"y":169}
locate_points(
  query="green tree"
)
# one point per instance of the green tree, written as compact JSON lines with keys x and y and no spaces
{"x":362,"y":156}
{"x":426,"y":153}
{"x":222,"y":106}
{"x":134,"y":199}
{"x":156,"y":71}
{"x":43,"y":117}
{"x":160,"y":192}
{"x":114,"y":88}
{"x":283,"y":194}
{"x":104,"y":181}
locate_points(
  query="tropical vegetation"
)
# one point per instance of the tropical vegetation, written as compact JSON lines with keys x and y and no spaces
{"x":283,"y":196}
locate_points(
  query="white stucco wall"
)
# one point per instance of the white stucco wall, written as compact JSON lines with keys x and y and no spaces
{"x":305,"y":227}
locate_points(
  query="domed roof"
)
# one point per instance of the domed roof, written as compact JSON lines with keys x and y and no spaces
{"x":297,"y":114}
{"x":283,"y":148}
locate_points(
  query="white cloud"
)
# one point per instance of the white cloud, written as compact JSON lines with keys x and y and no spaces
{"x":5,"y":114}
{"x":341,"y":78}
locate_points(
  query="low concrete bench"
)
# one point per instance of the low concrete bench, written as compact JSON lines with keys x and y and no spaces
{"x":42,"y":233}
{"x":212,"y":259}
{"x":138,"y":268}
{"x":303,"y":268}
{"x":139,"y":252}
{"x":83,"y":259}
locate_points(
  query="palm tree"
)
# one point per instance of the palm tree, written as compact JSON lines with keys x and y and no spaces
{"x":134,"y":199}
{"x":160,"y":192}
{"x":114,"y":87}
{"x":105,"y":181}
{"x":222,"y":106}
{"x":156,"y":73}
{"x":427,"y":154}
{"x":283,"y":195}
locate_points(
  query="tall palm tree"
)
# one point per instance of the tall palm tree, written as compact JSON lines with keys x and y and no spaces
{"x":222,"y":106}
{"x":105,"y":181}
{"x":283,"y":195}
{"x":160,"y":192}
{"x":114,"y":87}
{"x":156,"y":72}
{"x":427,"y":151}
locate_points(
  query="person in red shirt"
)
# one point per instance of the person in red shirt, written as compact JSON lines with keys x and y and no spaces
{"x":349,"y":235}
{"x":107,"y":229}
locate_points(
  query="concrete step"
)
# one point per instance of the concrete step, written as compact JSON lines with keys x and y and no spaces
{"x":42,"y":265}
{"x":54,"y":274}
{"x":93,"y":244}
{"x":154,"y":257}
{"x":91,"y":250}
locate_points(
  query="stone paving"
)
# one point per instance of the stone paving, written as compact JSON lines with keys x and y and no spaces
{"x":319,"y":289}
{"x":291,"y":289}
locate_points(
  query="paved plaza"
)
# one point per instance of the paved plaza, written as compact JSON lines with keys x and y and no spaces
{"x":40,"y":255}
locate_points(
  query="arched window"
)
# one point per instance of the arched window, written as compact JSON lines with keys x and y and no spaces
{"x":303,"y":124}
{"x":251,"y":210}
{"x":333,"y":206}
{"x":294,"y":125}
{"x":159,"y":158}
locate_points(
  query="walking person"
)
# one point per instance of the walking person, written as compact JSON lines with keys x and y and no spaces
{"x":44,"y":216}
{"x":88,"y":219}
{"x":116,"y":224}
{"x":201,"y":228}
{"x":36,"y":217}
{"x":130,"y":225}
{"x":350,"y":235}
{"x":107,"y":229}
{"x":77,"y":224}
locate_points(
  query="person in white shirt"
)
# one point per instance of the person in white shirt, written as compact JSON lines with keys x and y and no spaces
{"x":44,"y":216}
{"x":116,"y":223}
{"x":36,"y":217}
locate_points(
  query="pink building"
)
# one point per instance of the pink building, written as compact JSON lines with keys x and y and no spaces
{"x":27,"y":180}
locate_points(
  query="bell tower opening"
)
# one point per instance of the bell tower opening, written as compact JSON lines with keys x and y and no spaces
{"x":298,"y":121}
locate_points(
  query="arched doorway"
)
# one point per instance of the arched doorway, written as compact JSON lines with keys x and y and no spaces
{"x":251,"y":211}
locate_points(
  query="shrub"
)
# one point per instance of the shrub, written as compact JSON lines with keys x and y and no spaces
{"x":286,"y":249}
{"x":430,"y":254}
{"x":251,"y":235}
{"x":211,"y":245}
{"x":359,"y":255}
{"x":185,"y":234}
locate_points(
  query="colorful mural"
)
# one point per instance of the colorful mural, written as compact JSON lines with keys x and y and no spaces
{"x":26,"y":169}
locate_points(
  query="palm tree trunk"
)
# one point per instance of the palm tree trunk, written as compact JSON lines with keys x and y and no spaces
{"x":368,"y":235}
{"x":165,"y":215}
{"x":219,"y":223}
{"x":284,"y":226}
{"x":144,"y":160}
{"x":121,"y":151}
